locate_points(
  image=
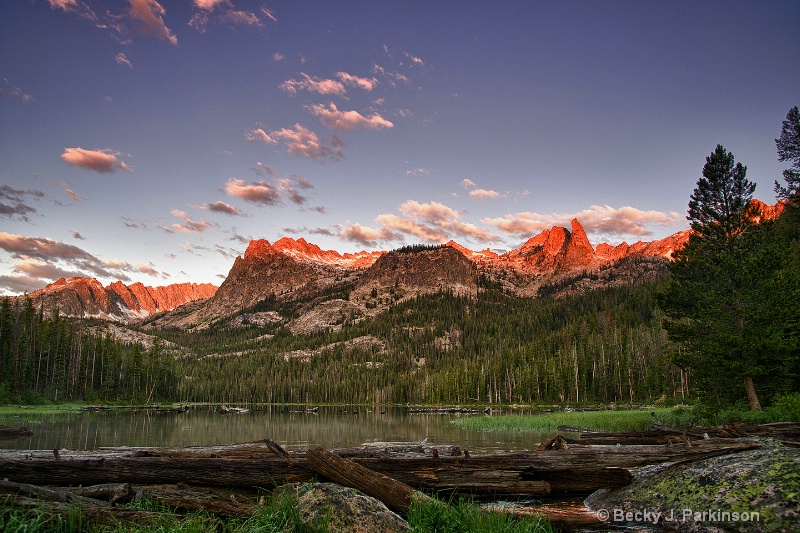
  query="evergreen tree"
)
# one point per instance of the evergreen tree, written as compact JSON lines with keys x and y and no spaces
{"x":722,"y":294}
{"x":788,"y":145}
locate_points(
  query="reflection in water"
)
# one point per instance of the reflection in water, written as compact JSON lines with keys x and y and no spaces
{"x":330,"y":427}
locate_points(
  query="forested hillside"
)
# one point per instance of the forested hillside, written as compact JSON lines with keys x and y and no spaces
{"x":603,"y":345}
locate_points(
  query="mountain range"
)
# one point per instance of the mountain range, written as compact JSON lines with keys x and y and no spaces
{"x":325,"y":288}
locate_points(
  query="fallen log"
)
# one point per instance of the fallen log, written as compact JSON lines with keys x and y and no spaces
{"x":395,"y":494}
{"x":578,"y":470}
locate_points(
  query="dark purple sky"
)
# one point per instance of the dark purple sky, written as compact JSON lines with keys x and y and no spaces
{"x":150,"y":141}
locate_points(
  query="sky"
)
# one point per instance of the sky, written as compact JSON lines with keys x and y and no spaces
{"x":149,"y":141}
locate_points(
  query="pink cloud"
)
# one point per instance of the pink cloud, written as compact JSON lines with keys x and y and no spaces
{"x":366,"y":236}
{"x":305,"y":143}
{"x":102,"y":161}
{"x":602,"y":220}
{"x":269,"y":193}
{"x":121,"y":59}
{"x":74,"y":196}
{"x":258,"y":193}
{"x":259,"y":134}
{"x":337,"y":120}
{"x":314,"y":85}
{"x":10,"y":92}
{"x":483,"y":194}
{"x":222,"y":12}
{"x":189,"y":225}
{"x":147,"y":16}
{"x":355,"y":81}
{"x":433,"y":222}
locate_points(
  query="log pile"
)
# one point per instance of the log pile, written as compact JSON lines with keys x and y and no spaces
{"x":225,"y":480}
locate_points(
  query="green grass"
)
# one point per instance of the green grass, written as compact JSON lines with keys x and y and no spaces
{"x":279,"y":515}
{"x":617,"y":420}
{"x":463,"y":516}
{"x":43,"y":409}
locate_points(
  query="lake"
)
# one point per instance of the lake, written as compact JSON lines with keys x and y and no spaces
{"x":289,"y":426}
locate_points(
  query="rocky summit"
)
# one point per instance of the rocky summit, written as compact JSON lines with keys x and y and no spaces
{"x":294,"y":272}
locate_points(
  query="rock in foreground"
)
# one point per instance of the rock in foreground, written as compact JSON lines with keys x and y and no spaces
{"x":343,"y":509}
{"x":756,"y":490}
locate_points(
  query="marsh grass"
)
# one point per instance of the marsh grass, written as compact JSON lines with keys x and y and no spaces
{"x":616,"y":420}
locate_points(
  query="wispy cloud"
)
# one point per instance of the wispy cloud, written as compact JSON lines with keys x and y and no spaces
{"x":305,"y":143}
{"x":189,"y":225}
{"x":223,"y":12}
{"x":269,"y":194}
{"x":147,"y":17}
{"x":8,"y":91}
{"x":355,"y":81}
{"x":433,"y":222}
{"x":74,"y":196}
{"x":367,"y":236}
{"x":598,"y":220}
{"x":314,"y":85}
{"x":40,"y":260}
{"x":77,"y":235}
{"x":338,"y":120}
{"x":102,"y":161}
{"x":17,"y":207}
{"x":224,"y":208}
{"x":122,"y":59}
{"x":476,"y":193}
{"x":418,"y":172}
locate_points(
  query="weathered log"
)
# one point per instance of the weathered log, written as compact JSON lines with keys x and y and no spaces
{"x":210,"y":500}
{"x":576,"y":470}
{"x":110,"y":492}
{"x":395,"y":494}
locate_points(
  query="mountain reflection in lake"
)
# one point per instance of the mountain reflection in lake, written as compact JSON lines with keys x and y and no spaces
{"x":289,"y":426}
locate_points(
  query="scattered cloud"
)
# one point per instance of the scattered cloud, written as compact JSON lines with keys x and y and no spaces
{"x":147,"y":17}
{"x":433,"y":222}
{"x":18,"y":208}
{"x":277,"y":57}
{"x":259,"y":134}
{"x":415,"y":61}
{"x":102,"y":161}
{"x":189,"y":225}
{"x":367,"y":236}
{"x":222,"y":207}
{"x":269,"y":194}
{"x":305,"y":143}
{"x":483,"y":194}
{"x":264,"y":169}
{"x":598,"y":220}
{"x":77,"y":235}
{"x":122,"y":59}
{"x":40,"y":260}
{"x":74,"y":196}
{"x":314,"y":85}
{"x":355,"y":81}
{"x":418,"y":172}
{"x":338,"y":120}
{"x":8,"y":91}
{"x":222,"y":12}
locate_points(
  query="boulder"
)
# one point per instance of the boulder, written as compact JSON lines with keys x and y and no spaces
{"x":756,"y":490}
{"x":342,"y":509}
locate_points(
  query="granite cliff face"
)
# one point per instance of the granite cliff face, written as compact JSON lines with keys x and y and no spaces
{"x":86,"y":297}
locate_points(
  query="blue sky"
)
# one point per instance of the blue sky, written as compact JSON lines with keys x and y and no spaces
{"x":150,"y":141}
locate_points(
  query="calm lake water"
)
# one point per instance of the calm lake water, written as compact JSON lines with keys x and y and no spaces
{"x":332,"y":427}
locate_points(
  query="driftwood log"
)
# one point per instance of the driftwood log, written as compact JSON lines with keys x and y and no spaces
{"x":396,"y":495}
{"x":577,"y":470}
